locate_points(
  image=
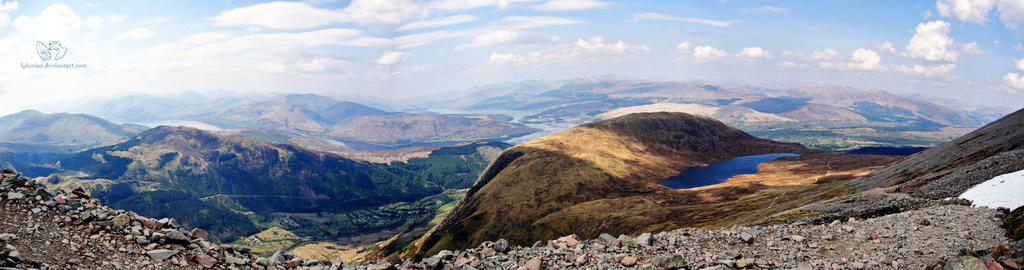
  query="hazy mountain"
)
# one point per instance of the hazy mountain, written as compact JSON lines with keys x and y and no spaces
{"x":60,"y":129}
{"x":603,"y":177}
{"x":144,"y":108}
{"x":361,"y":126}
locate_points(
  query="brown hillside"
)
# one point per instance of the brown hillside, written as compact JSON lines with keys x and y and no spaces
{"x":603,"y":177}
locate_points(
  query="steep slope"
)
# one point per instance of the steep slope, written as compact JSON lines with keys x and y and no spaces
{"x":60,"y":129}
{"x":603,"y":177}
{"x":948,"y":169}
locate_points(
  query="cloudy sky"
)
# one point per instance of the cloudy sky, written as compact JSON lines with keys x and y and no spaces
{"x":969,"y":50}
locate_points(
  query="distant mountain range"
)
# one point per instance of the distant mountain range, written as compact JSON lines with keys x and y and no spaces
{"x":30,"y":129}
{"x":827,"y":118}
{"x":362,"y":127}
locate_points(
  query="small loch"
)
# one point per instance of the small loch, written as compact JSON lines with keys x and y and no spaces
{"x":720,"y":171}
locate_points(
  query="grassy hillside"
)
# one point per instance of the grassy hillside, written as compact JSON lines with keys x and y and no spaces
{"x":168,"y":169}
{"x":603,"y":177}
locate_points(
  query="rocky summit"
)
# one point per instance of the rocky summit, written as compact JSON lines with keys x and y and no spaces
{"x":43,"y":228}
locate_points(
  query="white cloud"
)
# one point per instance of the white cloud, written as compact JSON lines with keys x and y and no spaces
{"x":390,"y":58}
{"x":826,"y":54}
{"x":5,"y":9}
{"x":522,"y":22}
{"x":386,"y":13}
{"x":1020,"y":64}
{"x":203,"y":38}
{"x":51,"y":24}
{"x":437,"y":22}
{"x":975,"y":11}
{"x":1014,"y":80}
{"x":554,"y":5}
{"x":765,"y":9}
{"x":471,"y":4}
{"x":754,"y":52}
{"x":298,"y":15}
{"x":928,"y":70}
{"x":791,"y":64}
{"x":278,"y":15}
{"x":498,"y":37}
{"x":971,"y":48}
{"x":887,"y":47}
{"x":708,"y":53}
{"x":660,"y":16}
{"x":253,"y":29}
{"x":862,"y":59}
{"x":931,"y":42}
{"x":506,"y":59}
{"x":136,"y":34}
{"x":591,"y":49}
{"x":1011,"y":13}
{"x":96,"y":21}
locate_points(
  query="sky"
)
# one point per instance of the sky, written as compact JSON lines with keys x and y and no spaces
{"x":404,"y":50}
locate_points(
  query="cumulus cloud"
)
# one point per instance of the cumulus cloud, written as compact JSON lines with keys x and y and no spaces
{"x":971,"y":48}
{"x":591,"y":49}
{"x":862,"y":59}
{"x":1014,"y":81}
{"x":825,"y":54}
{"x":754,"y":52}
{"x":6,"y":7}
{"x":51,"y":24}
{"x":699,"y":53}
{"x":96,"y":21}
{"x":136,"y":34}
{"x":471,"y":4}
{"x":887,"y":47}
{"x":975,"y":11}
{"x":554,"y":5}
{"x":928,"y":71}
{"x":390,"y":58}
{"x":437,"y":22}
{"x":1011,"y":12}
{"x":666,"y":17}
{"x":931,"y":41}
{"x":765,"y":9}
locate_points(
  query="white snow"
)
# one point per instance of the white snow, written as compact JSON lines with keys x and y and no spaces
{"x":1001,"y":191}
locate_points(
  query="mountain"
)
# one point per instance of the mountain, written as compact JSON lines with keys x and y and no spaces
{"x":145,"y":108}
{"x":360,"y":126}
{"x":60,"y":129}
{"x":824,"y":118}
{"x":878,"y":105}
{"x":176,"y":171}
{"x":948,"y":169}
{"x":603,"y":177}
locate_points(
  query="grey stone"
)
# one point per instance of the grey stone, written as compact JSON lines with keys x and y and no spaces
{"x":644,"y":239}
{"x":14,"y":195}
{"x":747,"y":237}
{"x":965,"y":263}
{"x":7,"y":237}
{"x":501,"y":246}
{"x":432,"y":263}
{"x":670,"y":262}
{"x":606,"y":237}
{"x":176,"y":237}
{"x":161,"y":254}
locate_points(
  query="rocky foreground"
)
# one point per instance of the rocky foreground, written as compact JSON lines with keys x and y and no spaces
{"x":53,"y":229}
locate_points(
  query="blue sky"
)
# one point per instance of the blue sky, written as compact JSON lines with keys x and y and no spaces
{"x":404,"y":50}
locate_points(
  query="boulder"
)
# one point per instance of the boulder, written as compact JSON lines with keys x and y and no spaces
{"x":501,"y":246}
{"x":670,"y":262}
{"x":644,"y":239}
{"x":965,"y":263}
{"x":161,"y":254}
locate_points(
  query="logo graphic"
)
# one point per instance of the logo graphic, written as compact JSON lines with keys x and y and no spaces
{"x":52,"y":51}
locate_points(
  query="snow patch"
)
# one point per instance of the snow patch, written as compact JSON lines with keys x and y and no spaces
{"x":1001,"y":191}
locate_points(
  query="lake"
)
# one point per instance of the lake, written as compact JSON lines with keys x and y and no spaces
{"x":720,"y":171}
